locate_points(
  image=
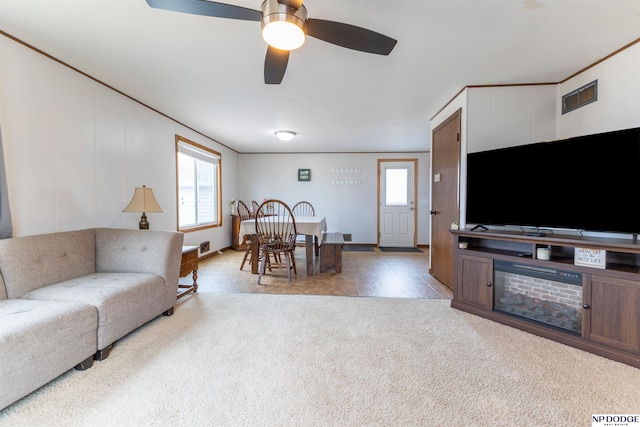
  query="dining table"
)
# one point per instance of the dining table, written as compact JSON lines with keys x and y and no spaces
{"x":312,"y":227}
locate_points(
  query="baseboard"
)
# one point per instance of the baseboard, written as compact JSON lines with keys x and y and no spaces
{"x":213,"y":253}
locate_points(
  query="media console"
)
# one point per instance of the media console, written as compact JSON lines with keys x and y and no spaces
{"x":597,"y":309}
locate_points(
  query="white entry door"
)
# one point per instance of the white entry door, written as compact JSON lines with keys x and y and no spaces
{"x":397,"y":214}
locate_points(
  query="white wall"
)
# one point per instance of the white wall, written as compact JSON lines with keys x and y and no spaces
{"x":349,"y":208}
{"x":618,"y":105}
{"x":516,"y":115}
{"x":497,"y":117}
{"x":506,"y":116}
{"x":75,"y":149}
{"x":503,"y":116}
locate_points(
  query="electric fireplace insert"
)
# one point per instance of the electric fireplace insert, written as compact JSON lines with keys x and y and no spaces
{"x":539,"y":294}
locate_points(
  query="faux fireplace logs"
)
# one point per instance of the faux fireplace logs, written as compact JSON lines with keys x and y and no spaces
{"x":549,"y":312}
{"x":543,"y":295}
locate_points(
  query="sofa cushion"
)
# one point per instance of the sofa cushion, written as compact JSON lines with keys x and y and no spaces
{"x":3,"y":290}
{"x":141,"y":251}
{"x":31,"y":262}
{"x":41,"y":340}
{"x":124,"y":300}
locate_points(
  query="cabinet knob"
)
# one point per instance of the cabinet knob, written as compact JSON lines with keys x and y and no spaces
{"x":585,"y":306}
{"x":488,"y":283}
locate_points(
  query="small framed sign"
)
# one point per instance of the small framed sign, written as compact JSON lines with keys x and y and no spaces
{"x":590,"y":257}
{"x":304,"y":174}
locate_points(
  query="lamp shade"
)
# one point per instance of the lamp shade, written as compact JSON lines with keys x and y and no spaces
{"x":143,"y":200}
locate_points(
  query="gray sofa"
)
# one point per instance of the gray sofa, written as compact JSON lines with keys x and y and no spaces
{"x":66,"y":297}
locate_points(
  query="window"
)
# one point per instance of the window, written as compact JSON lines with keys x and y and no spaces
{"x":396,"y":188}
{"x":580,"y":97}
{"x":198,"y":175}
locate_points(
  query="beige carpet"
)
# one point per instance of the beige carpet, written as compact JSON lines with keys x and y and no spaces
{"x":294,"y":360}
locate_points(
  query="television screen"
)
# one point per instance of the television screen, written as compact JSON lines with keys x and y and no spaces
{"x":589,"y":183}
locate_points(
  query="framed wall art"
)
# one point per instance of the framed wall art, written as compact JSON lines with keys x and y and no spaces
{"x":304,"y":174}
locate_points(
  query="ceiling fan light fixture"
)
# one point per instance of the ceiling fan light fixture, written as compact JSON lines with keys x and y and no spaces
{"x":283,"y":27}
{"x":283,"y":35}
{"x":285,"y":135}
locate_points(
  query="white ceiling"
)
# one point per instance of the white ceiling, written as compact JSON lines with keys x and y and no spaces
{"x":207,"y":73}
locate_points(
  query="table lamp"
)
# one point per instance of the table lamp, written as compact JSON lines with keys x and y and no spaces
{"x":143,"y":201}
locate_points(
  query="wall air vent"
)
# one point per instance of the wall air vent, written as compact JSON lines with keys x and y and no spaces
{"x":580,"y":97}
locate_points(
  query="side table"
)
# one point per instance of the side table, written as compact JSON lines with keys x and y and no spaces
{"x":188,"y":265}
{"x":236,"y":244}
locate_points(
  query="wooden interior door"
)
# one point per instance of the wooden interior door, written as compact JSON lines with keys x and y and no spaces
{"x":445,"y":194}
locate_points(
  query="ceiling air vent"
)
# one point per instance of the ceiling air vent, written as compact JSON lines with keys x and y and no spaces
{"x":580,"y":97}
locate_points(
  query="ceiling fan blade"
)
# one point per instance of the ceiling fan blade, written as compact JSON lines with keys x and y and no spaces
{"x":350,"y":36}
{"x":208,"y":8}
{"x":292,"y":3}
{"x":275,"y":64}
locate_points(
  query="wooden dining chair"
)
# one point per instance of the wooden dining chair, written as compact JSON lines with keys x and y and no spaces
{"x":245,"y":214}
{"x":254,"y":207}
{"x":243,"y":211}
{"x":305,"y":209}
{"x":276,"y":228}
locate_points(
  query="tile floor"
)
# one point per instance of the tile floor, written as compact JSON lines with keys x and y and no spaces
{"x":373,"y":274}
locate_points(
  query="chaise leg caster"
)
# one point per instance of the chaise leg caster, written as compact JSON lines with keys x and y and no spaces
{"x":85,"y":364}
{"x":168,"y":312}
{"x":103,"y":354}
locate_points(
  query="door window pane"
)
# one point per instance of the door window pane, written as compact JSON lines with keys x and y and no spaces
{"x":396,"y":185}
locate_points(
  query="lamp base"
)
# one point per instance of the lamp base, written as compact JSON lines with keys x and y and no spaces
{"x":144,"y":224}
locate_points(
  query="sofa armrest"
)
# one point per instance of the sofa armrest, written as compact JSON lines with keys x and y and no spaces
{"x":141,"y":251}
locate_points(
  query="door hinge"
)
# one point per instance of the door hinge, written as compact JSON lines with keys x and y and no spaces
{"x":458,"y":136}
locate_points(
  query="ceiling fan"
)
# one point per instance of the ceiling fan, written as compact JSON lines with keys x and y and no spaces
{"x":284,"y":26}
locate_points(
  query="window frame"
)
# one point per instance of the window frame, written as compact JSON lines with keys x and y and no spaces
{"x":218,"y":184}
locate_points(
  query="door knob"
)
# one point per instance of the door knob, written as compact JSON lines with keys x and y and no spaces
{"x":411,"y":208}
{"x":433,"y":212}
{"x":585,"y":306}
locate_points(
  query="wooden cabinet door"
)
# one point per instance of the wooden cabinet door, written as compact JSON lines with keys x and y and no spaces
{"x":613,"y":314}
{"x":475,"y":281}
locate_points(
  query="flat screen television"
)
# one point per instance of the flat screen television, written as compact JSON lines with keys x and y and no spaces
{"x":587,"y":183}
